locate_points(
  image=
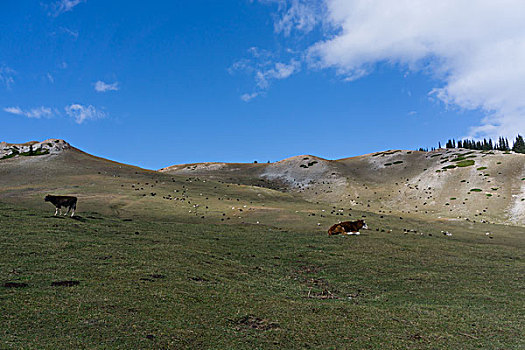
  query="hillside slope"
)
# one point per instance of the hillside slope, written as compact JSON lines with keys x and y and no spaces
{"x":446,"y":183}
{"x":112,"y":188}
{"x":452,"y":184}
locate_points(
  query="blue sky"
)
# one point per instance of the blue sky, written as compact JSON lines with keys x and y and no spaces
{"x":167,"y":82}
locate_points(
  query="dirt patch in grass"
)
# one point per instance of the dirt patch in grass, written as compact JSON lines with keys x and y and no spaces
{"x":15,"y":285}
{"x":65,"y":283}
{"x":254,"y":322}
{"x":323,"y":295}
{"x":198,"y":279}
{"x":305,"y":269}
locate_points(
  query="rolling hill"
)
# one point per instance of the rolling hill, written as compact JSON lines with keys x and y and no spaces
{"x":452,"y":184}
{"x":446,"y":183}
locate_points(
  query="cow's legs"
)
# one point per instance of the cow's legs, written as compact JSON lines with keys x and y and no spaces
{"x":67,"y":212}
{"x":56,"y":211}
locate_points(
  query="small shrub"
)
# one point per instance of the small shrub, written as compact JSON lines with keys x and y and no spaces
{"x":398,"y":162}
{"x":38,"y":152}
{"x":13,"y":154}
{"x":449,"y":167}
{"x":482,"y":168}
{"x":388,"y":164}
{"x":465,"y":163}
{"x":476,"y":190}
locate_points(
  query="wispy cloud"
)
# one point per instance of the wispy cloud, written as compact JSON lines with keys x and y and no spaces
{"x":300,"y":15}
{"x":31,"y":113}
{"x":101,"y":86}
{"x":82,"y":113}
{"x":7,"y":76}
{"x":476,"y":52}
{"x":59,"y":7}
{"x":248,"y":97}
{"x":50,"y":78}
{"x":264,"y":69}
{"x":72,"y":33}
{"x":79,"y":112}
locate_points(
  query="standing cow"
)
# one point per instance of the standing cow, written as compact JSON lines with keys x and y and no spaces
{"x":63,"y":201}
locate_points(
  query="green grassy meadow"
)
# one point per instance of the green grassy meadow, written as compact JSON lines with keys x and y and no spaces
{"x":133,"y":282}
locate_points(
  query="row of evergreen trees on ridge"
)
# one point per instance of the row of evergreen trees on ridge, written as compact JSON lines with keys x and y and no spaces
{"x":502,"y":144}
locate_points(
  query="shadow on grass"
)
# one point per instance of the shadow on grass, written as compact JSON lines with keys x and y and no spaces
{"x":76,"y":218}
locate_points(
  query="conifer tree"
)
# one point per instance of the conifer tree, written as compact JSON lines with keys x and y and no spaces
{"x":519,"y":145}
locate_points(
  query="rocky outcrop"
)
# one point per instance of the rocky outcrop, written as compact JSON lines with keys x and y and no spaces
{"x":32,"y":149}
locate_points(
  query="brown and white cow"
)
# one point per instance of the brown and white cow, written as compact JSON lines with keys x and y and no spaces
{"x":63,"y":201}
{"x":348,"y":228}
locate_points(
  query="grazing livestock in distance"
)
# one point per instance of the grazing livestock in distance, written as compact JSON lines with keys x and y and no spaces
{"x":63,"y":201}
{"x":347,"y":227}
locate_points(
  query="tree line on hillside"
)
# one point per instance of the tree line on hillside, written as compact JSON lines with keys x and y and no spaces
{"x":502,"y":144}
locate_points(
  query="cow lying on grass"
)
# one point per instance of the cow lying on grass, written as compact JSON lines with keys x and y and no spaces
{"x":63,"y":201}
{"x":347,"y":228}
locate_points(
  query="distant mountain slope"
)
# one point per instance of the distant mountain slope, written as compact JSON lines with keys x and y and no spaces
{"x":455,"y":184}
{"x":122,"y":190}
{"x":452,"y":183}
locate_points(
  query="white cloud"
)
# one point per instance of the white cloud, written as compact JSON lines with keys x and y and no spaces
{"x":297,"y":15}
{"x":70,"y":32}
{"x":31,"y":113}
{"x":476,"y":50}
{"x":101,"y":86}
{"x":50,"y":78}
{"x":7,"y":76}
{"x":264,"y":69}
{"x":82,"y":113}
{"x":248,"y":97}
{"x":62,"y":6}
